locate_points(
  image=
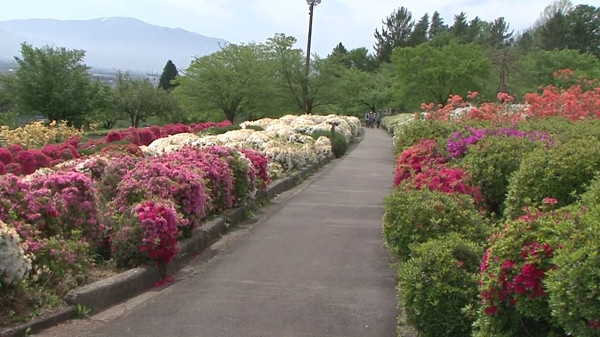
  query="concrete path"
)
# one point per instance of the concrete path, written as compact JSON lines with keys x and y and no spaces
{"x":312,"y":264}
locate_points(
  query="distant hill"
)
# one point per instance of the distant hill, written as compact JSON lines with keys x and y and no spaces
{"x":110,"y":43}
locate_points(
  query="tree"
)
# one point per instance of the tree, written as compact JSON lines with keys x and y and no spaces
{"x":234,"y":80}
{"x":366,"y":90}
{"x":8,"y":93}
{"x":340,"y":54}
{"x":53,"y":82}
{"x":537,"y":67}
{"x":437,"y":25}
{"x":584,"y":32}
{"x":103,"y":102}
{"x":498,"y":35}
{"x":419,"y":33}
{"x":168,"y":75}
{"x":395,"y":33}
{"x":429,"y":74}
{"x":460,"y":28}
{"x":140,"y":100}
{"x":361,"y":59}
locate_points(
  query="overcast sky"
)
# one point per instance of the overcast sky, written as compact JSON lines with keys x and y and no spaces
{"x":351,"y":22}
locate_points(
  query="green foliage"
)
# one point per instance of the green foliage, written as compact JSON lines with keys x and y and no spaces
{"x":8,"y":95}
{"x":560,"y":172}
{"x":82,"y":311}
{"x":53,"y":82}
{"x":428,"y":74}
{"x":420,"y":215}
{"x":219,"y":130}
{"x":412,"y":133}
{"x":536,"y":68}
{"x":573,"y":285}
{"x":140,"y":100}
{"x":338,"y":143}
{"x":563,"y":129}
{"x":234,"y":80}
{"x":438,"y":283}
{"x":492,"y":161}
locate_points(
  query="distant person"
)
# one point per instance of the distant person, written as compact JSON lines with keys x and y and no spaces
{"x":377,"y":119}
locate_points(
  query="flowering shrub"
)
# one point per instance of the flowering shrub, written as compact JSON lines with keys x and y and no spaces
{"x":14,"y":263}
{"x":446,"y":180}
{"x":579,"y":101}
{"x":158,"y":224}
{"x":414,"y":216}
{"x":417,"y":158}
{"x":438,"y":283}
{"x":179,"y":184}
{"x":37,"y":134}
{"x":413,"y":133}
{"x":556,"y":173}
{"x":461,"y":140}
{"x":512,"y":275}
{"x":260,"y":163}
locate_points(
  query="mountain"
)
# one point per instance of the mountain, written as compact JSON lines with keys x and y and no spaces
{"x":126,"y":44}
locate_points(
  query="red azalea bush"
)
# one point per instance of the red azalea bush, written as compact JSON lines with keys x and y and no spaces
{"x":31,"y":160}
{"x":513,"y":271}
{"x":6,"y":156}
{"x":417,"y":158}
{"x":260,"y":163}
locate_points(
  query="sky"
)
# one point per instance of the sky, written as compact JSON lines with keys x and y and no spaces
{"x":351,"y":22}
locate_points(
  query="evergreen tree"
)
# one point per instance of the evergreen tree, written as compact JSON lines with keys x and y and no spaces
{"x":437,"y":25}
{"x":169,"y":73}
{"x":395,"y":33}
{"x":460,"y":28}
{"x":498,"y":35}
{"x":419,"y":33}
{"x":340,"y":54}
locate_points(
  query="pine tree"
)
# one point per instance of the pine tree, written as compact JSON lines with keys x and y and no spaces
{"x":169,"y":73}
{"x":437,"y":25}
{"x":395,"y":33}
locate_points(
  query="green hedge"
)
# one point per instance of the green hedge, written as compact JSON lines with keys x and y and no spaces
{"x":438,"y":284}
{"x":414,"y":216}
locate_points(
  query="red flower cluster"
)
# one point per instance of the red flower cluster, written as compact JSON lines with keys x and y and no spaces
{"x":417,"y":158}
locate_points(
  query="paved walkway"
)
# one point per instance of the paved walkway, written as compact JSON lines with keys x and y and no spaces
{"x":312,"y":264}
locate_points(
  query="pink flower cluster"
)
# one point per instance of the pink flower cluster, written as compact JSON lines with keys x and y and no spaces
{"x":159,"y":225}
{"x":260,"y":163}
{"x":445,"y":179}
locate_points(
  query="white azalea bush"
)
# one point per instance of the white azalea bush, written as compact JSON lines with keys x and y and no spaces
{"x":348,"y":126}
{"x":14,"y":263}
{"x":285,"y":141}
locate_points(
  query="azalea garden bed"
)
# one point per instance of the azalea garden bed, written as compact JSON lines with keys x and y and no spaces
{"x":87,"y":215}
{"x":495,"y":216}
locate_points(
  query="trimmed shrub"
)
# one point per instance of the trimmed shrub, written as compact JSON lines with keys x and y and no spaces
{"x":576,"y":278}
{"x":560,"y":173}
{"x":416,"y":158}
{"x":412,"y":133}
{"x":491,"y":162}
{"x":420,"y":215}
{"x":438,"y":283}
{"x":339,"y":145}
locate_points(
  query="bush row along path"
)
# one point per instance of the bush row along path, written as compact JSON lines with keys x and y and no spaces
{"x":311,"y":264}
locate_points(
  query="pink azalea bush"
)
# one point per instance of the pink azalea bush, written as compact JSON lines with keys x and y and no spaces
{"x":147,"y":232}
{"x":416,"y":158}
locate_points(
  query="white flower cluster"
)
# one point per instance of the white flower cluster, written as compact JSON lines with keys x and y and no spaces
{"x":348,"y":126}
{"x":285,"y":141}
{"x":14,"y":263}
{"x":393,"y":124}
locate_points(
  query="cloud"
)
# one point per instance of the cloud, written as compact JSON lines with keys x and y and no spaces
{"x":224,"y":9}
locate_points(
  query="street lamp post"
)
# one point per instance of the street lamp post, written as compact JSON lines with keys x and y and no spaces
{"x":311,"y":6}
